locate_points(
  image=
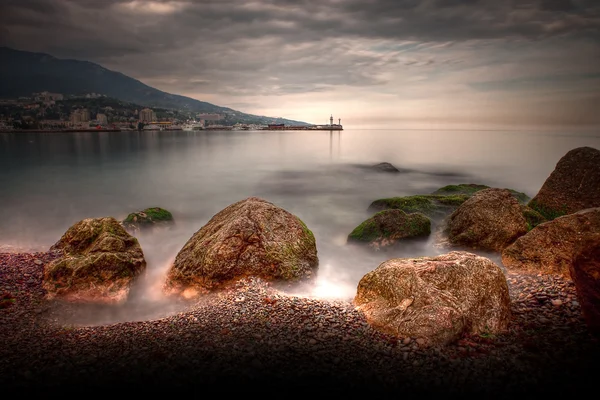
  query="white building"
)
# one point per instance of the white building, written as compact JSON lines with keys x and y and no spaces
{"x":147,"y":115}
{"x":102,"y":119}
{"x":80,"y":115}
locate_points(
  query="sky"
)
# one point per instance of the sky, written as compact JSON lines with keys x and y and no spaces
{"x":371,"y":63}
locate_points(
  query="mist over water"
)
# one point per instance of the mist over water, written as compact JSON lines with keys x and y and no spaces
{"x":49,"y":181}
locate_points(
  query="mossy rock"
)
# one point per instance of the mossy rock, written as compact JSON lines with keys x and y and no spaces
{"x":99,"y":262}
{"x":547,"y":212}
{"x":462,"y":188}
{"x":387,"y":227}
{"x":147,"y":218}
{"x":252,"y":237}
{"x":533,"y":217}
{"x":471,"y":188}
{"x":427,"y":204}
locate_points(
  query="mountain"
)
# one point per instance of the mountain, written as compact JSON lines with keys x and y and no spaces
{"x":23,"y":73}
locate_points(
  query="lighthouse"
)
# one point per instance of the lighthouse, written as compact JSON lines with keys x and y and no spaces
{"x":331,"y":120}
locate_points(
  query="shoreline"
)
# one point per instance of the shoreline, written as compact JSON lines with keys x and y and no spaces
{"x":254,"y":337}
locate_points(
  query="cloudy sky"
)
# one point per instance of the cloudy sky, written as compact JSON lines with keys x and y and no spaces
{"x":372,"y":63}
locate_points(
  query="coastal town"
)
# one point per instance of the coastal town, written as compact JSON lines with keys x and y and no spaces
{"x":46,"y":111}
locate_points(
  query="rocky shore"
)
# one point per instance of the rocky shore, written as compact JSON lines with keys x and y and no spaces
{"x":253,"y":338}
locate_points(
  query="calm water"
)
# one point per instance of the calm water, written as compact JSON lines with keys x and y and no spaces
{"x":50,"y":181}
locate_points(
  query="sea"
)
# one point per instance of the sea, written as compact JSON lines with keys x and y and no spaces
{"x":51,"y":180}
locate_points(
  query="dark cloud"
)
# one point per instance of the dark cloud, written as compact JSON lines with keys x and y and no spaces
{"x":277,"y":47}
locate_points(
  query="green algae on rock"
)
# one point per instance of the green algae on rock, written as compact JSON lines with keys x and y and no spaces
{"x":387,"y":227}
{"x":252,"y":237}
{"x":147,"y":218}
{"x":427,"y":204}
{"x":471,"y":188}
{"x":99,"y":262}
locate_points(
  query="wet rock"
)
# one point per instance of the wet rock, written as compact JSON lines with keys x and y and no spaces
{"x":148,"y":218}
{"x":470,"y":189}
{"x":491,"y":219}
{"x":99,"y":261}
{"x":573,"y":185}
{"x":385,"y":167}
{"x":433,"y":206}
{"x":437,"y":299}
{"x":550,"y":247}
{"x":386,"y":228}
{"x":252,"y":237}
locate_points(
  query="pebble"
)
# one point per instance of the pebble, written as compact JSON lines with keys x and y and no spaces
{"x":241,"y":333}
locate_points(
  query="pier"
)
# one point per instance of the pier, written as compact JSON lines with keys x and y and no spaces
{"x":326,"y":127}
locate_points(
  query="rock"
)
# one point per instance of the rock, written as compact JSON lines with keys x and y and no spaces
{"x":585,"y":272}
{"x":98,"y":263}
{"x":252,"y":237}
{"x":463,"y":188}
{"x":385,"y":167}
{"x":491,"y":219}
{"x":429,"y":205}
{"x":387,"y":227}
{"x":471,"y":188}
{"x":550,"y":248}
{"x":532,"y":217}
{"x":573,"y":185}
{"x":147,"y":218}
{"x":450,"y":295}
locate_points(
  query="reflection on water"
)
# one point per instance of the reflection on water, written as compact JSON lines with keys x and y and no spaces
{"x":51,"y":181}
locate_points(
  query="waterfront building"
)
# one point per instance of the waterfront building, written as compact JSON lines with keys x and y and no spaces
{"x":101,"y":119}
{"x":80,"y":115}
{"x":147,"y":115}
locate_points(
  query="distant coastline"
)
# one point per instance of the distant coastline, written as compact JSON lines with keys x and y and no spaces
{"x":224,"y":128}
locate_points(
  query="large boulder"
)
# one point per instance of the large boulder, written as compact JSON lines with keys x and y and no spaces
{"x":147,"y":218}
{"x":437,"y":298}
{"x":386,"y":228}
{"x":252,"y":237}
{"x":573,"y":185}
{"x":99,"y":262}
{"x":491,"y":220}
{"x":550,"y":247}
{"x":585,"y":271}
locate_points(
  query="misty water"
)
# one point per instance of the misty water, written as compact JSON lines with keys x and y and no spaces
{"x":49,"y":181}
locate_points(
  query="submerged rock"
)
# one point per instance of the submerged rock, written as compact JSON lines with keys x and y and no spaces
{"x":385,"y":167}
{"x":386,"y":228}
{"x":491,"y":219}
{"x":437,"y":298}
{"x":550,"y":247}
{"x":147,"y":218}
{"x":99,"y":262}
{"x":573,"y":185}
{"x":252,"y":237}
{"x":426,"y":204}
{"x":471,"y":188}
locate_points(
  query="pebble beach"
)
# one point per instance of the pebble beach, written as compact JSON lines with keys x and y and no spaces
{"x":255,"y":338}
